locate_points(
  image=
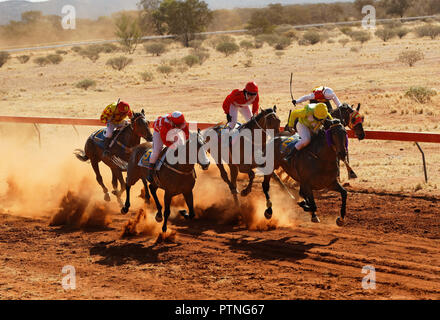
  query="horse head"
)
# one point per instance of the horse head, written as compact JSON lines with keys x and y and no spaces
{"x":336,"y":137}
{"x":351,"y":117}
{"x":141,"y":126}
{"x":266,"y":119}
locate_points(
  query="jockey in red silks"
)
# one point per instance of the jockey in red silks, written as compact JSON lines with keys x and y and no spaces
{"x":114,"y":116}
{"x":321,"y":94}
{"x":240,"y":100}
{"x":163,"y":135}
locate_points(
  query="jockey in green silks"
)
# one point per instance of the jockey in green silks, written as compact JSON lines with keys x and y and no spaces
{"x":308,"y":121}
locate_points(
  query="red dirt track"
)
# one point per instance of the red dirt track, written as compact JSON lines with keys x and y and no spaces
{"x":396,"y":234}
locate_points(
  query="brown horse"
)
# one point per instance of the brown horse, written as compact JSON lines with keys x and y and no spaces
{"x":124,"y":140}
{"x":266,"y":119}
{"x":314,"y":168}
{"x":175,"y":179}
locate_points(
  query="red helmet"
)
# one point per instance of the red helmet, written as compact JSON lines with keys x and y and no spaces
{"x":177,"y":118}
{"x":123,"y":107}
{"x":251,"y":87}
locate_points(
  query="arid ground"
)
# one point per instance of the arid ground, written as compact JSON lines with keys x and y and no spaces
{"x":393,"y":219}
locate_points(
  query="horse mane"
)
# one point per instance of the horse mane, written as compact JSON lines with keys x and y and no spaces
{"x":258,"y":117}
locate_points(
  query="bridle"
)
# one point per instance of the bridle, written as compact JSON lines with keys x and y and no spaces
{"x":254,"y":119}
{"x":133,"y":125}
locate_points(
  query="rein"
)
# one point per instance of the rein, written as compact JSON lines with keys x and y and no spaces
{"x":256,"y":122}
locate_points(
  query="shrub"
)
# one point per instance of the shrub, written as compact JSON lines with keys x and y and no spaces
{"x":312,"y":37}
{"x":259,"y":44}
{"x":216,"y":40}
{"x":354,"y":49}
{"x":23,"y":59}
{"x":292,"y":34}
{"x":91,"y":52}
{"x":429,"y":30}
{"x":147,"y":76}
{"x":282,"y":43}
{"x":55,"y":58}
{"x":345,"y":30}
{"x":344,"y":41}
{"x":201,"y":53}
{"x":4,"y":56}
{"x":228,"y":48}
{"x":41,"y":61}
{"x":191,"y":60}
{"x":246,"y":45}
{"x":401,"y":32}
{"x":64,"y":52}
{"x":119,"y":63}
{"x":410,"y":57}
{"x":155,"y":48}
{"x":86,"y":83}
{"x":420,"y":94}
{"x":361,"y":36}
{"x":385,"y":34}
{"x":270,"y":39}
{"x":165,"y":69}
{"x":109,"y":48}
{"x":77,"y":49}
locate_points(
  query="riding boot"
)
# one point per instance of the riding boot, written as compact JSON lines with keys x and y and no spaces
{"x":290,"y":155}
{"x":150,"y":172}
{"x":106,"y":152}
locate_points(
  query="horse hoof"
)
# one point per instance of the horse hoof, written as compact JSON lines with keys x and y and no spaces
{"x":234,"y":191}
{"x":115,"y":192}
{"x":340,"y":222}
{"x":184,"y":214}
{"x":159,"y":217}
{"x":107,"y":197}
{"x":315,"y":219}
{"x":268,"y":213}
{"x":147,"y":200}
{"x":124,"y":210}
{"x":245,"y":192}
{"x":164,"y":229}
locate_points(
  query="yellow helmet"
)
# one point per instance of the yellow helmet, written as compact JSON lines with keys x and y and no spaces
{"x":321,"y":111}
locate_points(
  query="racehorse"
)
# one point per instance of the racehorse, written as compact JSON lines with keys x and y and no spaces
{"x":124,"y":140}
{"x":266,"y":119}
{"x":314,"y":168}
{"x":175,"y":179}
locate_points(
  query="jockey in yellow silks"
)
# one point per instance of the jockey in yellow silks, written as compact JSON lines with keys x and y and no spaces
{"x":114,"y":116}
{"x":308,"y":121}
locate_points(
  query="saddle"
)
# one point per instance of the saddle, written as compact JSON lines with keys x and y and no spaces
{"x":99,"y":137}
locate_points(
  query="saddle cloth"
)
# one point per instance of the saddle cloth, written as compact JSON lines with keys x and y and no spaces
{"x":145,"y":159}
{"x":288,"y":143}
{"x":99,"y":136}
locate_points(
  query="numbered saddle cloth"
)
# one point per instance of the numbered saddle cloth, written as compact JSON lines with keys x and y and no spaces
{"x":145,"y":159}
{"x":288,"y":143}
{"x":99,"y":137}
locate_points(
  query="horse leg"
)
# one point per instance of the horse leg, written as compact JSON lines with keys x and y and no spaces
{"x":340,"y":221}
{"x":147,"y":193}
{"x":153,"y":190}
{"x":189,"y":199}
{"x":225,"y":178}
{"x":266,"y":187}
{"x":309,"y":204}
{"x":95,"y":167}
{"x":132,"y":177}
{"x":166,"y":213}
{"x":234,"y":174}
{"x":125,"y":208}
{"x":115,"y":179}
{"x":248,"y":188}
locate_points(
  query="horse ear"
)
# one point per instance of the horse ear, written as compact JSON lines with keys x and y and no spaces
{"x":198,"y":130}
{"x":143,"y":112}
{"x":275,"y":108}
{"x":359,"y":107}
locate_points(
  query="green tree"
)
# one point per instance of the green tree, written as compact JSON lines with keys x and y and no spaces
{"x":182,"y":18}
{"x":397,"y":7}
{"x":259,"y":24}
{"x":129,"y":32}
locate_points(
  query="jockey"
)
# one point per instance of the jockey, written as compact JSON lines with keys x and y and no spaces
{"x":321,"y":94}
{"x":162,"y":126}
{"x":114,"y":117}
{"x":308,"y":121}
{"x":239,"y":100}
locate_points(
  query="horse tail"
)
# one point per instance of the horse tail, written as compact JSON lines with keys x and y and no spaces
{"x":81,"y":155}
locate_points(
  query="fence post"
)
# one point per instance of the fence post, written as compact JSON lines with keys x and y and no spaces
{"x":424,"y":161}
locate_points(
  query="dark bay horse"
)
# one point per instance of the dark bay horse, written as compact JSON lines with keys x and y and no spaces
{"x":175,"y":179}
{"x":124,"y":140}
{"x":314,"y":168}
{"x":266,"y":119}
